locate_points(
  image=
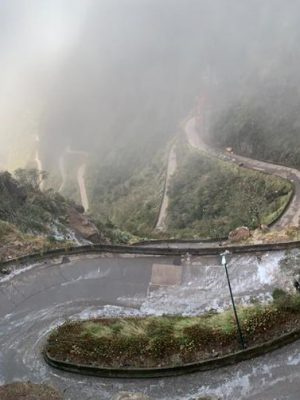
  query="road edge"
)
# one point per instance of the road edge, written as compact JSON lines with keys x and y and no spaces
{"x":144,"y":373}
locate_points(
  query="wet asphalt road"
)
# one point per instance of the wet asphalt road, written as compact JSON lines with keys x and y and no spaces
{"x":41,"y":297}
{"x":292,"y":215}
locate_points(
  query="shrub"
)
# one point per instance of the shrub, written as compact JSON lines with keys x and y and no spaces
{"x":279,"y":294}
{"x":159,"y":328}
{"x":259,"y":319}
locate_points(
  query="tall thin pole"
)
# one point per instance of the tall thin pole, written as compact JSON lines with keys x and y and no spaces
{"x":234,"y":310}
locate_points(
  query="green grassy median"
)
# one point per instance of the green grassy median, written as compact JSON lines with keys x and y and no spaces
{"x":168,"y":341}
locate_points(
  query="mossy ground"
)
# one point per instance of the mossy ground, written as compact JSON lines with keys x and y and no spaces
{"x":171,"y":340}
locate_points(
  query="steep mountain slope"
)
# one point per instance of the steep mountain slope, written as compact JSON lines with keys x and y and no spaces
{"x":32,"y":220}
{"x":210,"y":197}
{"x":265,"y":124}
{"x":129,"y":199}
{"x":131,"y":72}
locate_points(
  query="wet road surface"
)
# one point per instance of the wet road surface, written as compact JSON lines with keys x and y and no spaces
{"x":171,"y":169}
{"x":292,"y":215}
{"x":36,"y":300}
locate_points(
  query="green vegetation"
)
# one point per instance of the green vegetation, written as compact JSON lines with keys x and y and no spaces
{"x":263,"y":124}
{"x":129,"y":199}
{"x":6,"y":229}
{"x":210,"y":197}
{"x":171,"y":340}
{"x":114,"y":234}
{"x":23,"y":204}
{"x":31,"y":221}
{"x":286,"y":302}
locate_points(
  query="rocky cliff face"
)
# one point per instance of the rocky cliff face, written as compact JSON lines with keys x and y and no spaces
{"x":83,"y":226}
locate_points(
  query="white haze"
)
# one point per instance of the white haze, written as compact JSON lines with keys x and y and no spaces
{"x":96,"y":74}
{"x":35,"y":39}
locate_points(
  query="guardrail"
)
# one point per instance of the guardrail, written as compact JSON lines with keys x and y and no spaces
{"x":180,"y":241}
{"x":103,"y":248}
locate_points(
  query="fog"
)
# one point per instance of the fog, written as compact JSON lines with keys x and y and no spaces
{"x":117,"y":76}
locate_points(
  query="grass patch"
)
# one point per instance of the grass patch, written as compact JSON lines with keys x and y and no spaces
{"x":24,"y":205}
{"x":281,"y":205}
{"x":211,"y":197}
{"x":129,"y":199}
{"x":171,"y":340}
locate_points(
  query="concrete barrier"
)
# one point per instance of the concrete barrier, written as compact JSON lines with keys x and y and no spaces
{"x":181,"y":241}
{"x":206,"y":365}
{"x":99,"y":248}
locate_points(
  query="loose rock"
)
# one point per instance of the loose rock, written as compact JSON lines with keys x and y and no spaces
{"x":238,"y":234}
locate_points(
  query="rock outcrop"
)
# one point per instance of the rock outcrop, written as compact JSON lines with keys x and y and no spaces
{"x":84,"y":227}
{"x":239,"y":234}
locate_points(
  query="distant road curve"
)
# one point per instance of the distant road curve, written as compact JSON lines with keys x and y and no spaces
{"x":38,"y":162}
{"x":80,"y":175}
{"x":172,"y":166}
{"x":292,"y":214}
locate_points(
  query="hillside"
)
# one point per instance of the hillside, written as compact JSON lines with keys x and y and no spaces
{"x":32,"y":220}
{"x":211,"y":197}
{"x":130,"y":199}
{"x":117,"y":122}
{"x":262,"y":124}
{"x":208,"y":197}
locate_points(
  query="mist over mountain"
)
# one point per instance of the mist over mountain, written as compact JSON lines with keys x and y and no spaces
{"x":136,"y":67}
{"x":149,"y":199}
{"x":98,"y":90}
{"x":115,"y":73}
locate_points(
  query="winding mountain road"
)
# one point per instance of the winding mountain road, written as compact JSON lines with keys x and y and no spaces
{"x":292,"y":214}
{"x":80,"y":175}
{"x":171,"y":169}
{"x":39,"y":297}
{"x":38,"y":162}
